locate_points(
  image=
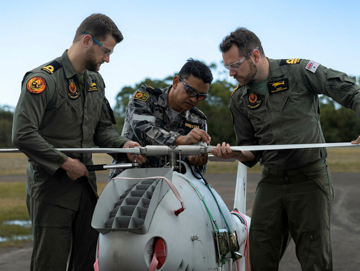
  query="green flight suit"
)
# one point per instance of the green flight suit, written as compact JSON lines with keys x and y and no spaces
{"x":294,"y":193}
{"x":58,"y":108}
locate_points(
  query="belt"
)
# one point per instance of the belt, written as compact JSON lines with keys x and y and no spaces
{"x":292,"y":172}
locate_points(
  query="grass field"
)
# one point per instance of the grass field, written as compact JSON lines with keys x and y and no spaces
{"x":12,"y":194}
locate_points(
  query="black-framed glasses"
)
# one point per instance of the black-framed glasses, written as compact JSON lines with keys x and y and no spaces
{"x":236,"y":65}
{"x":106,"y":51}
{"x":192,"y":92}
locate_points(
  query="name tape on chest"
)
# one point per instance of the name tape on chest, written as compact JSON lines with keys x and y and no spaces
{"x":279,"y":85}
{"x":93,"y":86}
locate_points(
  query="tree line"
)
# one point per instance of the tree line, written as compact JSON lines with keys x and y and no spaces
{"x":339,"y":124}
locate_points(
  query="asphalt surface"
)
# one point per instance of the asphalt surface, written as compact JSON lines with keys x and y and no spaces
{"x":345,"y":221}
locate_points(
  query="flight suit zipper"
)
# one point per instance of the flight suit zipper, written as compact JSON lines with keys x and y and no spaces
{"x":71,"y":107}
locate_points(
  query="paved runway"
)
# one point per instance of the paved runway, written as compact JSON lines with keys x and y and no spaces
{"x":345,"y":222}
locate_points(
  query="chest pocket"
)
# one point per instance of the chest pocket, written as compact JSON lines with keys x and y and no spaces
{"x":300,"y":112}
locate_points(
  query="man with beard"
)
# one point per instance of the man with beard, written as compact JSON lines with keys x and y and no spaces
{"x":63,"y":105}
{"x":276,"y":102}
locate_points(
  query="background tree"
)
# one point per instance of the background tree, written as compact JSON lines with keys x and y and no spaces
{"x":6,"y":118}
{"x":339,"y":124}
{"x":215,"y":107}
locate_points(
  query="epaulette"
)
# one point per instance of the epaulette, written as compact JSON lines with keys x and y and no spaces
{"x":52,"y":67}
{"x":235,"y":89}
{"x":153,"y":90}
{"x":198,"y":112}
{"x":290,"y":61}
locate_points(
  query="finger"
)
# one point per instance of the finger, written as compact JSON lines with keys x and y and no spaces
{"x":141,"y":159}
{"x":357,"y":141}
{"x":204,"y":136}
{"x":199,"y":135}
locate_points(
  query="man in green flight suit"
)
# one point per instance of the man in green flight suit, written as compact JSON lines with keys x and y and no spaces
{"x":63,"y":105}
{"x":276,"y":102}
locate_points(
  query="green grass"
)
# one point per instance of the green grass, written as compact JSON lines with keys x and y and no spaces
{"x":13,"y":194}
{"x":12,"y":202}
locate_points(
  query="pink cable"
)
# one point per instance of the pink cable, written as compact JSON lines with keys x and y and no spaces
{"x":246,"y":248}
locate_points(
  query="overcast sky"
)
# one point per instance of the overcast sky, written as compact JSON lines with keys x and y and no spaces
{"x":159,"y":36}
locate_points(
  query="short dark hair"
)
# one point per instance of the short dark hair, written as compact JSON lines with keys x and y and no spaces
{"x":245,"y":41}
{"x":197,"y":69}
{"x":99,"y":26}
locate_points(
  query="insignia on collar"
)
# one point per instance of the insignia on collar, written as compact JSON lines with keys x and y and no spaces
{"x":73,"y":93}
{"x":93,"y":86}
{"x":279,"y":85}
{"x":36,"y":85}
{"x":52,"y":67}
{"x":142,"y":96}
{"x":290,"y":61}
{"x":254,"y":102}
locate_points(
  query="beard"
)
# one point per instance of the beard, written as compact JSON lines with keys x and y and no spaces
{"x":90,"y":63}
{"x":245,"y":80}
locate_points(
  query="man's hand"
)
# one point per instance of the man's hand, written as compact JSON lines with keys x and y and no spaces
{"x":224,"y":151}
{"x":74,"y":168}
{"x":195,"y":136}
{"x":357,"y":141}
{"x":139,"y":158}
{"x":198,"y":160}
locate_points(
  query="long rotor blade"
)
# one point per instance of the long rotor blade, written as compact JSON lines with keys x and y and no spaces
{"x":292,"y":146}
{"x":152,"y":150}
{"x":86,"y":150}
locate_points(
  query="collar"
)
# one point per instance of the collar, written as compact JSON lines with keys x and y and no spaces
{"x":275,"y":69}
{"x":68,"y":68}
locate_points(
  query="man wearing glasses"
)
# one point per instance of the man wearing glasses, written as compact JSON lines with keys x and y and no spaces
{"x":276,"y":102}
{"x":63,"y":105}
{"x":169,"y":116}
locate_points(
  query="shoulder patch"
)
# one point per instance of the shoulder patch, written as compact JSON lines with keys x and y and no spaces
{"x":140,"y":95}
{"x":312,"y":66}
{"x":36,"y":85}
{"x":199,"y":112}
{"x":152,"y":89}
{"x":290,"y":61}
{"x":52,"y":67}
{"x":235,"y":89}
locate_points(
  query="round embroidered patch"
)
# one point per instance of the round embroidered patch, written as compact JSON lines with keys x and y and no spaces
{"x":252,"y":98}
{"x":36,"y":85}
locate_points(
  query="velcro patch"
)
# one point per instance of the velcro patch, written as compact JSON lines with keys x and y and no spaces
{"x":93,"y":86}
{"x":312,"y":66}
{"x":52,"y":67}
{"x":290,"y":61}
{"x":279,"y":85}
{"x":142,"y":96}
{"x":36,"y":85}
